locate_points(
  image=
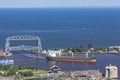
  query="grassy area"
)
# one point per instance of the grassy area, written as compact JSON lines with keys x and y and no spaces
{"x":36,"y":72}
{"x":22,"y":72}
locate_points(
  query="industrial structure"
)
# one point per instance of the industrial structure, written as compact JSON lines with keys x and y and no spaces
{"x":9,"y":48}
{"x":111,"y":72}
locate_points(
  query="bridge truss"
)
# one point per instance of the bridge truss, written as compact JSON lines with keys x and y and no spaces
{"x":8,"y":48}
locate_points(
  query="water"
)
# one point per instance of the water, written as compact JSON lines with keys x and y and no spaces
{"x":60,"y":28}
{"x":102,"y":60}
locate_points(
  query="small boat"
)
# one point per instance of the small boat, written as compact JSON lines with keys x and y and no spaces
{"x":70,"y":57}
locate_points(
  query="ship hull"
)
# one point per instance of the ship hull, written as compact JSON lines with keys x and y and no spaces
{"x":72,"y":59}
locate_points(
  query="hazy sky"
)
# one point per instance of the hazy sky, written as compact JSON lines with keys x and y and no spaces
{"x":58,"y":3}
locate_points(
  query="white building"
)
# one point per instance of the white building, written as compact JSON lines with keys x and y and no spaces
{"x":114,"y":47}
{"x":111,"y":72}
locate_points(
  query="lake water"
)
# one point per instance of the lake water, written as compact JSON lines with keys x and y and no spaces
{"x":60,"y":28}
{"x":102,"y":61}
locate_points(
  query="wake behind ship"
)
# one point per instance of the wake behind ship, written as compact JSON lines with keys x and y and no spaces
{"x":70,"y":57}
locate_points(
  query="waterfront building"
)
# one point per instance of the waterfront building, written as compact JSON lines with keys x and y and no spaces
{"x":111,"y":72}
{"x":114,"y":47}
{"x":54,"y":69}
{"x":85,"y":73}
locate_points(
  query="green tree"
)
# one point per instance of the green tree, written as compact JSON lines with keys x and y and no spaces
{"x":82,"y":48}
{"x":89,"y":46}
{"x":66,"y":50}
{"x":96,"y":49}
{"x":26,"y":73}
{"x":104,"y":48}
{"x":73,"y":50}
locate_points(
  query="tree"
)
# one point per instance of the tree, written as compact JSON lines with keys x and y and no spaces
{"x":104,"y":48}
{"x":89,"y":46}
{"x":96,"y":49}
{"x":26,"y":73}
{"x":80,"y":48}
{"x":67,"y":49}
{"x":73,"y":50}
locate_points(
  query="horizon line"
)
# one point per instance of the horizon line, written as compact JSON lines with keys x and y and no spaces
{"x":51,"y":7}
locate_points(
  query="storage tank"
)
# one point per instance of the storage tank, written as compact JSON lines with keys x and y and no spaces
{"x":111,"y":72}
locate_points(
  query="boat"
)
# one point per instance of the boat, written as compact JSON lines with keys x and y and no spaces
{"x":70,"y":57}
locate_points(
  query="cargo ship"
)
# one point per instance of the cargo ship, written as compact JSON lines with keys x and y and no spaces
{"x":70,"y":57}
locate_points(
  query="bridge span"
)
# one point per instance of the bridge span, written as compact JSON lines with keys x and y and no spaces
{"x":9,"y":48}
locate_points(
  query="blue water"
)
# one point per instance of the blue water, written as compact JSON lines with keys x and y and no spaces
{"x":59,"y":28}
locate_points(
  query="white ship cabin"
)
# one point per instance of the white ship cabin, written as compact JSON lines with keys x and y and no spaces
{"x":59,"y":53}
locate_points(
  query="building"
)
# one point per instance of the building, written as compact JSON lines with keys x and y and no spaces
{"x":114,"y":47}
{"x":54,"y":69}
{"x":111,"y":72}
{"x":85,"y":73}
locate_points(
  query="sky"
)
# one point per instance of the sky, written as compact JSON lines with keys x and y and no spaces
{"x":58,"y":3}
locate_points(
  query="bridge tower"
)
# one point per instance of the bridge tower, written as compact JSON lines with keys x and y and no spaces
{"x":39,"y":45}
{"x":7,"y":45}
